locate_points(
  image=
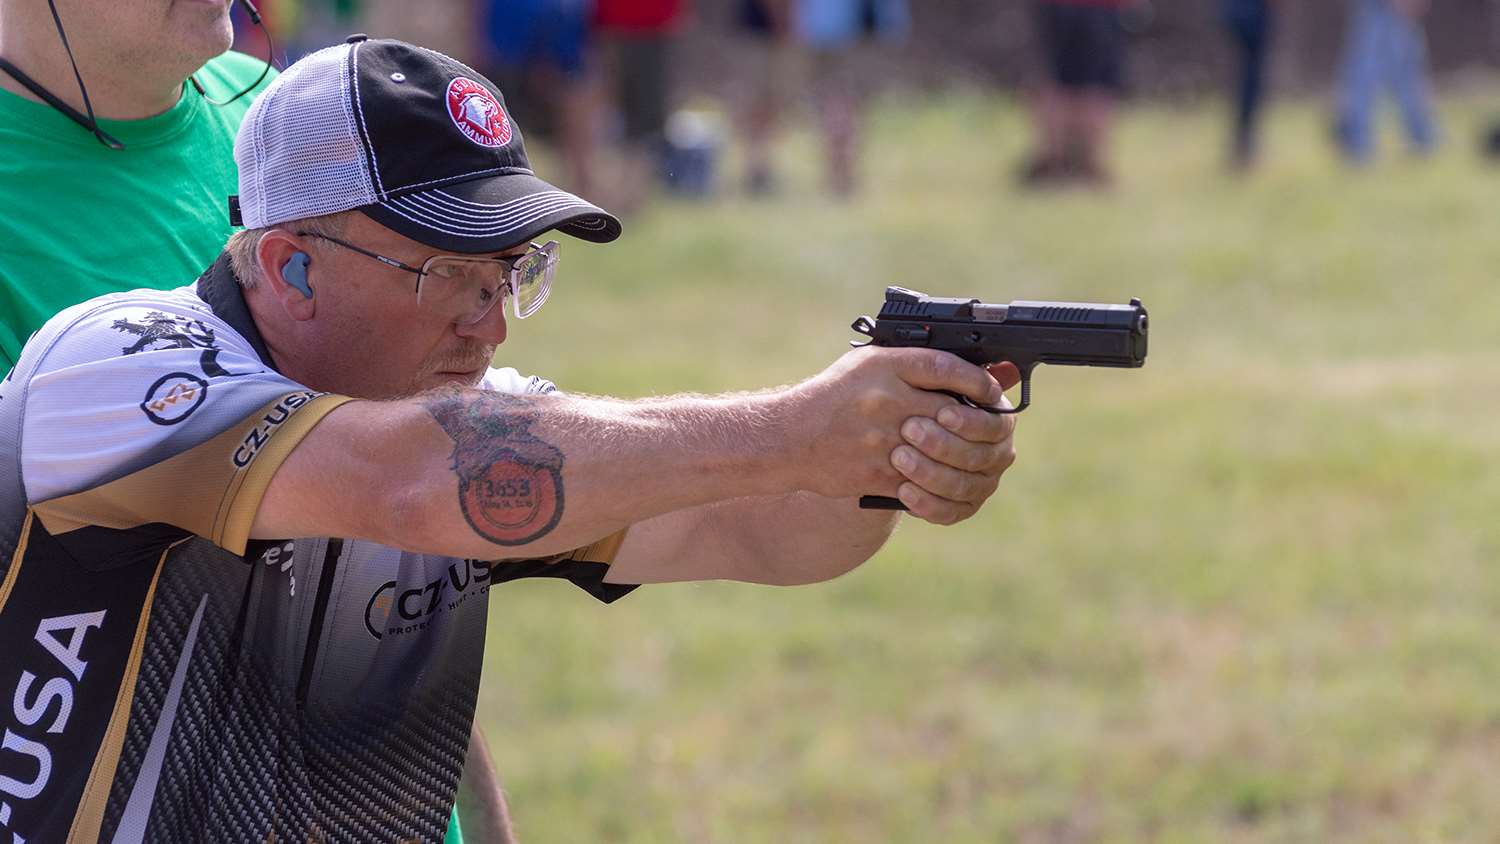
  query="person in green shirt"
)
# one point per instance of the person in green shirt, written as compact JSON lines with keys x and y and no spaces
{"x":79,"y":219}
{"x":76,"y":213}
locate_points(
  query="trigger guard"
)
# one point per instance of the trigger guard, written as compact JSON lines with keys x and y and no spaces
{"x":968,"y":402}
{"x":1025,"y":400}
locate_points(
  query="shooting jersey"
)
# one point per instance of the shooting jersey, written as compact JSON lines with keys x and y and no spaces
{"x":162,"y":677}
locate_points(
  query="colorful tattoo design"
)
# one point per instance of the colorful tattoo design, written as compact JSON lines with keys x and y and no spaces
{"x":509,"y":482}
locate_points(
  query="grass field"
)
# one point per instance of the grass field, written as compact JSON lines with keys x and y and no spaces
{"x":1239,"y":595}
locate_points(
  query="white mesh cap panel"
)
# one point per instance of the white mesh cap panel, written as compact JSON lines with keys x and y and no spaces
{"x":299,"y":150}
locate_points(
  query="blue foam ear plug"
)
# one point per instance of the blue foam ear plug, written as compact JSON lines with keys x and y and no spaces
{"x":295,"y":273}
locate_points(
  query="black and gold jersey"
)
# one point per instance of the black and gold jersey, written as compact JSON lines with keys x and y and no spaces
{"x":163,"y":677}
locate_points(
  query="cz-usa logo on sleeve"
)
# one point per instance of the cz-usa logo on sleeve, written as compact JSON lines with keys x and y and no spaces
{"x":174,"y":397}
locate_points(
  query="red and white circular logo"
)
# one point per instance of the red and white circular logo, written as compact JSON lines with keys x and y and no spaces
{"x":477,"y":113}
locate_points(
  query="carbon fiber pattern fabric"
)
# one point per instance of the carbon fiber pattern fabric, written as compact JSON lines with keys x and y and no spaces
{"x":247,"y":761}
{"x":263,"y":791}
{"x":195,"y":570}
{"x":376,"y":766}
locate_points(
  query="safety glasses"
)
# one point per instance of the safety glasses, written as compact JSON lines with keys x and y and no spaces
{"x":462,"y":290}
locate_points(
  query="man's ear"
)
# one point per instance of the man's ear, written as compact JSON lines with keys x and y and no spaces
{"x":286,"y":265}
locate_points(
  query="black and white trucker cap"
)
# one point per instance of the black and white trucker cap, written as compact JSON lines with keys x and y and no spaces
{"x":416,"y":140}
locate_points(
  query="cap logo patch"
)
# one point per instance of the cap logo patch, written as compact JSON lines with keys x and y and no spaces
{"x":477,"y":113}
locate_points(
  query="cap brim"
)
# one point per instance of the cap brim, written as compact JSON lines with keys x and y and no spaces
{"x":492,"y":214}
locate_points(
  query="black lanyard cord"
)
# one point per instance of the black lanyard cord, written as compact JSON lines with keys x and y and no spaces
{"x":270,"y":54}
{"x":88,"y":122}
{"x":93,"y":124}
{"x":51,"y":99}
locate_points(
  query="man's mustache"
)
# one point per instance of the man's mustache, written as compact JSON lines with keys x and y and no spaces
{"x":466,"y":358}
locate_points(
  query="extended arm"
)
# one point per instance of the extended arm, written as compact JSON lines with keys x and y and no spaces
{"x":478,"y":474}
{"x":955,"y":465}
{"x":473,"y":473}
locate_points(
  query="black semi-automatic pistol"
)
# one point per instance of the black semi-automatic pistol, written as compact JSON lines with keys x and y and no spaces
{"x":1023,"y":332}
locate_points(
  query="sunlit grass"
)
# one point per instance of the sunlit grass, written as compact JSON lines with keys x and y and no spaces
{"x":1243,"y":594}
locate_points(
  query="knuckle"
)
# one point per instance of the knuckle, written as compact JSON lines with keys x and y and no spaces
{"x":920,"y":471}
{"x":976,"y":460}
{"x":915,"y":431}
{"x":867,"y":480}
{"x":1007,"y":457}
{"x":934,"y":365}
{"x":947,"y":482}
{"x":873,"y":481}
{"x":913,"y":496}
{"x":997,"y":426}
{"x":956,"y":454}
{"x":980,"y":460}
{"x":1001,"y":454}
{"x":947,"y":515}
{"x":975,"y":423}
{"x":869,"y":401}
{"x":953,"y":420}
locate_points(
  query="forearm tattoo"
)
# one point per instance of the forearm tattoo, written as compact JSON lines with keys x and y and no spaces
{"x":510,"y":483}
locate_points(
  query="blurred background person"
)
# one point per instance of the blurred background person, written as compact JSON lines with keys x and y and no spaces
{"x":536,"y":51}
{"x":636,"y":42}
{"x":768,"y":25}
{"x":1251,"y":25}
{"x":1084,"y":46}
{"x":821,"y":46}
{"x":838,"y":34}
{"x":303,"y":26}
{"x":447,"y":26}
{"x":1385,"y":47}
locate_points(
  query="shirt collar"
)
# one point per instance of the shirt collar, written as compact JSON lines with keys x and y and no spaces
{"x":220,"y":288}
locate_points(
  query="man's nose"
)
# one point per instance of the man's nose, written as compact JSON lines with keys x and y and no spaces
{"x":489,"y":329}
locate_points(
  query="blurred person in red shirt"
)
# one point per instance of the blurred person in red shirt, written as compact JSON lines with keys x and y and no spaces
{"x":638,"y":16}
{"x":636,"y":41}
{"x":1085,"y":53}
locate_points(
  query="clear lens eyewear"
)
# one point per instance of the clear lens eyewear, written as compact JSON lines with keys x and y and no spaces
{"x":463,"y":290}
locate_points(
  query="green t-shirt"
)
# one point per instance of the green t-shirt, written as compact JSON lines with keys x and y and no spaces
{"x":78,"y":220}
